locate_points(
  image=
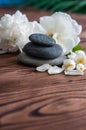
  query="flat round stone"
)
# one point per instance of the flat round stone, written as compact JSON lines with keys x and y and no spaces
{"x":28,"y":60}
{"x":42,"y":40}
{"x":42,"y":52}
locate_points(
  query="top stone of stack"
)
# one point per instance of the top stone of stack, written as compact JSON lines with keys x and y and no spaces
{"x":42,"y":46}
{"x":42,"y":40}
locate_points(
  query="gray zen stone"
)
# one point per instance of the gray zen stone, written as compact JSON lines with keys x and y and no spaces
{"x":42,"y":40}
{"x":42,"y":52}
{"x":23,"y":58}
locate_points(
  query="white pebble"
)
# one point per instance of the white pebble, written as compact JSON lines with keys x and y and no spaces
{"x":43,"y":67}
{"x":73,"y":72}
{"x":55,"y":70}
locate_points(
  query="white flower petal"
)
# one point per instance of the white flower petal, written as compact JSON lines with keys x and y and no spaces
{"x":55,"y":35}
{"x":72,"y":56}
{"x":37,"y":28}
{"x":81,"y":60}
{"x":69,"y":65}
{"x":80,"y":53}
{"x":78,"y":28}
{"x":47,"y":23}
{"x":73,"y":72}
{"x":76,"y":40}
{"x":62,"y":24}
{"x":68,"y":44}
{"x":80,"y":67}
{"x":43,"y":67}
{"x":55,"y":70}
{"x":80,"y":57}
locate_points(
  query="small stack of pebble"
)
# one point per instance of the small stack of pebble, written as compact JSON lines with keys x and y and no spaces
{"x":41,"y":50}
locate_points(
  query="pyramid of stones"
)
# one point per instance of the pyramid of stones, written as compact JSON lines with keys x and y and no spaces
{"x":40,"y":50}
{"x":42,"y":46}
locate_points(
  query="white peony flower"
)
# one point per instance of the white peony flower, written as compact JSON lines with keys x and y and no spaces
{"x":12,"y":27}
{"x":14,"y":31}
{"x":63,"y":29}
{"x":80,"y":67}
{"x":69,"y":65}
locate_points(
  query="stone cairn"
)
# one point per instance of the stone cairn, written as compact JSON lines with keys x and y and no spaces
{"x":40,"y":50}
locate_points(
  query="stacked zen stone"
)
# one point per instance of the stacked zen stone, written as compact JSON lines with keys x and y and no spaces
{"x":41,"y":50}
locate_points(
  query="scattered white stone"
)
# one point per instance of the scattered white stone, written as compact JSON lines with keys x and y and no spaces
{"x":43,"y":67}
{"x":55,"y":70}
{"x":73,"y":72}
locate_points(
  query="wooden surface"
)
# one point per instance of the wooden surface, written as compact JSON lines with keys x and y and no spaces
{"x":37,"y":101}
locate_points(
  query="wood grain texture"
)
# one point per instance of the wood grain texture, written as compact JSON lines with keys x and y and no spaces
{"x":36,"y":101}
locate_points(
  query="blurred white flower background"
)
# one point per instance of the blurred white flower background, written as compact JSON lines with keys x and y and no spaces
{"x":15,"y":30}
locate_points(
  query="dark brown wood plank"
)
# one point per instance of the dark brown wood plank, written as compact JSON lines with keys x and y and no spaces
{"x":34,"y":101}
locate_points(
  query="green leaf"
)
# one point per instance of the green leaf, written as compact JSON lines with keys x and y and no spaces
{"x":76,"y":48}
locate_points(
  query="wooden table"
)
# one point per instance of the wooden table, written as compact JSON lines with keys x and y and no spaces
{"x":36,"y":101}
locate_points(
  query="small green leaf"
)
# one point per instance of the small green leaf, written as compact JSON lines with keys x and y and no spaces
{"x":76,"y":48}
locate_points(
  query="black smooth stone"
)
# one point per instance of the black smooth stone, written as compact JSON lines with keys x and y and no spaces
{"x":42,"y":52}
{"x":42,"y":40}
